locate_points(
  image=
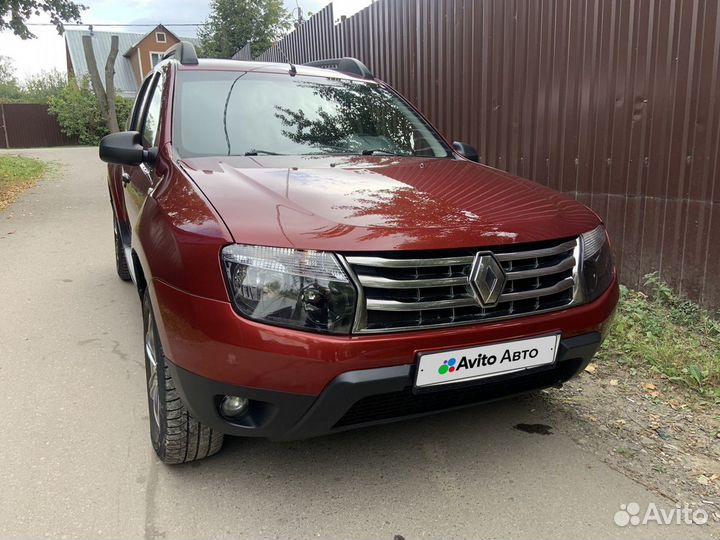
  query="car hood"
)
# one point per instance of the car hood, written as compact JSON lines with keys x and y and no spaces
{"x":375,"y":203}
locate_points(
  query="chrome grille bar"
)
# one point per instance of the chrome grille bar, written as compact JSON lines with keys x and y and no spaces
{"x":566,"y":264}
{"x":408,"y":263}
{"x":392,"y":305}
{"x":386,"y":283}
{"x":534,"y":253}
{"x":560,"y":286}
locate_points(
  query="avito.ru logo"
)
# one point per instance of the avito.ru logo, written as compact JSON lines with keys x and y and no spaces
{"x":451,"y":365}
{"x":447,"y":366}
{"x":631,"y":514}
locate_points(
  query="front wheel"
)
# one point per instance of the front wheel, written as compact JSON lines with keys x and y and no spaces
{"x":176,"y":436}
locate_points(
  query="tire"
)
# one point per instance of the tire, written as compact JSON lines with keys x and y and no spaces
{"x":120,"y":259}
{"x":176,"y":436}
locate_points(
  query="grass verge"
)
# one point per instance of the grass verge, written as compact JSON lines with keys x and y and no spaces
{"x":17,"y":174}
{"x":668,"y":333}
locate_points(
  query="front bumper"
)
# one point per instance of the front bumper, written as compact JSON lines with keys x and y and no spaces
{"x":366,"y":397}
{"x":206,"y":337}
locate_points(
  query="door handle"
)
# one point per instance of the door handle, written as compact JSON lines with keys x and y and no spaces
{"x":125,"y":178}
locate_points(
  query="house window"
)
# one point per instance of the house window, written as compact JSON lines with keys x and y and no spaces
{"x":155,"y":57}
{"x":160,"y":37}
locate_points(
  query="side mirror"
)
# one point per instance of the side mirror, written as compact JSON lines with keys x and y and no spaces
{"x":466,"y":151}
{"x":124,"y":148}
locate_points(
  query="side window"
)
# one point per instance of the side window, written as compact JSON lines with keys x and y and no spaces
{"x":151,"y":123}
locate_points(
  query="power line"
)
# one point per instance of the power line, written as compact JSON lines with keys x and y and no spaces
{"x":119,"y":24}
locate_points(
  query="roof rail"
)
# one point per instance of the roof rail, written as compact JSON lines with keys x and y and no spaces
{"x":184,"y":52}
{"x":349,"y":65}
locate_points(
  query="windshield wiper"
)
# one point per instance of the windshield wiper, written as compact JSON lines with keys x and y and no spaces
{"x":372,"y":152}
{"x":261,"y":152}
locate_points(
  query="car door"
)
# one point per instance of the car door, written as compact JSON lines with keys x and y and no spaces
{"x":139,"y":181}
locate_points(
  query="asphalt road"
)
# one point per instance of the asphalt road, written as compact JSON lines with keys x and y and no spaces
{"x":75,"y":456}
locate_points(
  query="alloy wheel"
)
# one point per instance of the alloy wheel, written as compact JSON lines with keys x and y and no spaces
{"x":152,"y":375}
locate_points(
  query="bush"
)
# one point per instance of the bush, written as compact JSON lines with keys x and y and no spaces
{"x":669,"y":333}
{"x":78,"y":114}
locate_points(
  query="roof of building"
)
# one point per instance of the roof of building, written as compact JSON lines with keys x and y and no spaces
{"x":164,"y":29}
{"x":125,"y":83}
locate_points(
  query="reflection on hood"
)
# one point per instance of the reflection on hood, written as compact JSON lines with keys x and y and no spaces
{"x":381,"y":203}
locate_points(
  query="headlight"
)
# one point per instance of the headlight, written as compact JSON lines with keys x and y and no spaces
{"x":300,"y":289}
{"x":597,"y":264}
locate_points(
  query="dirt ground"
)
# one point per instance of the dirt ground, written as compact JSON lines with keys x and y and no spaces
{"x":664,"y":436}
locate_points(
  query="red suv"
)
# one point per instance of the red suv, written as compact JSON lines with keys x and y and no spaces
{"x":313,"y":256}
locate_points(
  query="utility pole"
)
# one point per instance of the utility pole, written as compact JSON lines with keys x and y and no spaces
{"x":299,"y":10}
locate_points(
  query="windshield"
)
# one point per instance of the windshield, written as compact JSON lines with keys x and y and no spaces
{"x":246,"y":113}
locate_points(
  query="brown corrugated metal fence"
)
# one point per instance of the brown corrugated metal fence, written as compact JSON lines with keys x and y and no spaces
{"x":29,"y":125}
{"x":313,"y":40}
{"x":616,"y":103}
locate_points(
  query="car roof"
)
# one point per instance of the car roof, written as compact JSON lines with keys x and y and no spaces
{"x":207,"y":64}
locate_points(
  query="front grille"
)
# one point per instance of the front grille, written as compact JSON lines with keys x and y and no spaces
{"x":406,"y":292}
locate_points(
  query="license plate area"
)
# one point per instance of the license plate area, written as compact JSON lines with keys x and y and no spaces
{"x":485,"y":361}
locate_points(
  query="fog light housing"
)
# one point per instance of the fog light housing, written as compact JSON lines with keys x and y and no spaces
{"x":234,"y":406}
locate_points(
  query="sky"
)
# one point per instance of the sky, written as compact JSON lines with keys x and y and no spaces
{"x":48,"y":50}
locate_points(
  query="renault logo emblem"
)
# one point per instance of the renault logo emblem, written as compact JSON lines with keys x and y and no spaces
{"x":487,"y":279}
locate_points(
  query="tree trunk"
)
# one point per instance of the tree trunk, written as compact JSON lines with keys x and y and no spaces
{"x":95,"y":76}
{"x":105,"y":93}
{"x":112,"y":121}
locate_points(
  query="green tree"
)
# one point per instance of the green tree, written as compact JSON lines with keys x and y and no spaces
{"x":42,"y":86}
{"x":77,"y":111}
{"x":36,"y":89}
{"x":234,"y":23}
{"x":9,"y":86}
{"x":14,"y":14}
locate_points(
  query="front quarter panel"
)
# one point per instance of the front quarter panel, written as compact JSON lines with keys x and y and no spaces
{"x":179,"y":236}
